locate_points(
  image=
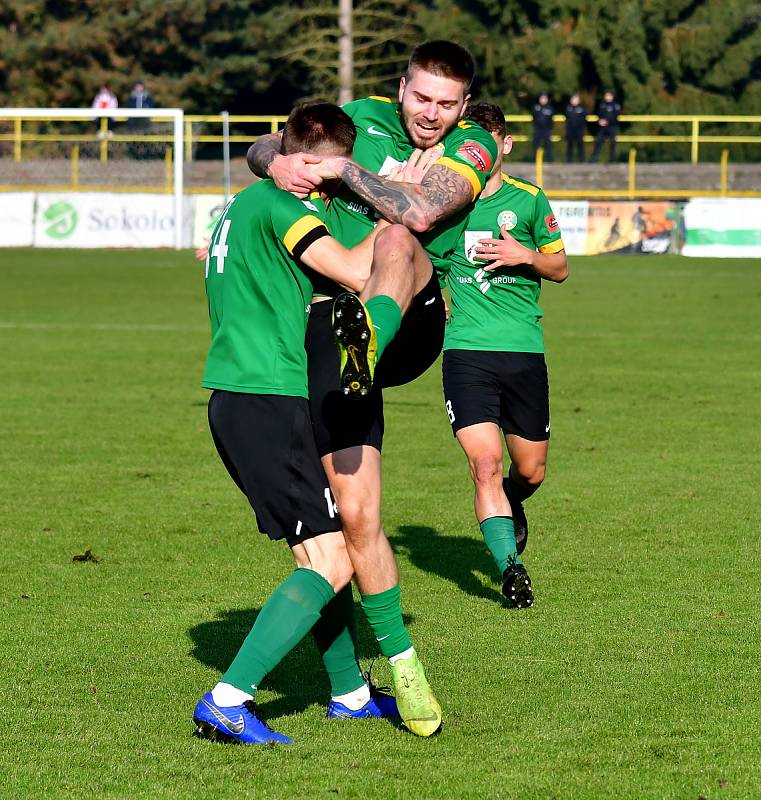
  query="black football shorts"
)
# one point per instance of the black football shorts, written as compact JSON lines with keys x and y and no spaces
{"x":342,"y":421}
{"x":508,"y":389}
{"x":267,"y":444}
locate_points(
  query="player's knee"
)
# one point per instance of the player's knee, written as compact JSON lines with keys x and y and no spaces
{"x":395,"y":238}
{"x":532,"y":473}
{"x":333,"y":563}
{"x":360,"y":519}
{"x":486,"y":469}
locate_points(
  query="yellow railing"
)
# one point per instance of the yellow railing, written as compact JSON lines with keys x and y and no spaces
{"x":16,"y":133}
{"x":693,"y":137}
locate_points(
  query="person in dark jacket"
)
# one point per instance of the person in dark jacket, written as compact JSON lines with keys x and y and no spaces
{"x":542,"y":117}
{"x":140,"y":97}
{"x":608,"y":112}
{"x":575,"y":127}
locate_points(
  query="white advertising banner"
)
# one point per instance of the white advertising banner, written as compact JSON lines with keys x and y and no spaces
{"x":94,"y":219}
{"x":207,"y":209}
{"x":573,"y":219}
{"x":724,"y":227}
{"x":16,"y":219}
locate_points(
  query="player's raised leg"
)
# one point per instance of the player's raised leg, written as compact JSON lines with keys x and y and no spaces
{"x":482,"y":444}
{"x":365,"y":327}
{"x":354,"y":475}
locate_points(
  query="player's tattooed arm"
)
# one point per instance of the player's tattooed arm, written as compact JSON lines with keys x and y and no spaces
{"x":418,"y":207}
{"x":262,"y":152}
{"x":289,"y":172}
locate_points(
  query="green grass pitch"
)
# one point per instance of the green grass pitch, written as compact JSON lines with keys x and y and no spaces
{"x":636,"y":675}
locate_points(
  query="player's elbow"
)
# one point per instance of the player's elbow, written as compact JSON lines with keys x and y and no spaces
{"x":421,"y":222}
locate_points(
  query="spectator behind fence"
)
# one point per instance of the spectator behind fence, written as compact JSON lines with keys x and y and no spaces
{"x":105,"y":99}
{"x":607,"y":126}
{"x":542,"y":115}
{"x":140,"y":97}
{"x":575,"y":127}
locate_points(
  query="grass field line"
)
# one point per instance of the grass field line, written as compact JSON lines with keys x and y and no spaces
{"x":105,"y":326}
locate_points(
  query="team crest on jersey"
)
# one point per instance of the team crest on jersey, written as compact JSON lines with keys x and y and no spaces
{"x":476,"y":155}
{"x":472,"y":239}
{"x":507,"y":220}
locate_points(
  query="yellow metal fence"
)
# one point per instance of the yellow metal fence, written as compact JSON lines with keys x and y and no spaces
{"x":207,"y":129}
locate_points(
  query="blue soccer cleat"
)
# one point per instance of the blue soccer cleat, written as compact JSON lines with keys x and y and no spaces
{"x":233,"y":724}
{"x":380,"y":705}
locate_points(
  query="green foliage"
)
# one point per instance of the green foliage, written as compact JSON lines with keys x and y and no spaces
{"x":206,"y":55}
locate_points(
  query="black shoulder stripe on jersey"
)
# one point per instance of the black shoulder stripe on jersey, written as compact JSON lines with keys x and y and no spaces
{"x":309,"y":238}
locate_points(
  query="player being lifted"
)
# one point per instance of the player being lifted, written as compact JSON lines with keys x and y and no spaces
{"x":433,"y":96}
{"x":494,"y":373}
{"x":259,"y":295}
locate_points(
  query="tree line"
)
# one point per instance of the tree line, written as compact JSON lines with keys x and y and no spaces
{"x":255,"y":56}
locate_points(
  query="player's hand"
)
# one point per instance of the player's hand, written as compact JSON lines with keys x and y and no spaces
{"x":416,"y":166}
{"x":203,"y":250}
{"x":326,"y":168}
{"x":292,"y":173}
{"x":504,"y":252}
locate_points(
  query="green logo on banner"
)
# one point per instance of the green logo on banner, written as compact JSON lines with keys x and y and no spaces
{"x":61,"y":219}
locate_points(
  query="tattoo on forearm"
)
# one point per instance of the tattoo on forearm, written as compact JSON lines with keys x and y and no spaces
{"x":445,"y":191}
{"x":387,"y":197}
{"x":261,"y":153}
{"x":441,"y":194}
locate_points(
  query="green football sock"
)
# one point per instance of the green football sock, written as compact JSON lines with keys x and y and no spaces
{"x":499,"y":535}
{"x":384,"y":613}
{"x":335,"y":634}
{"x":285,"y":619}
{"x":387,"y":317}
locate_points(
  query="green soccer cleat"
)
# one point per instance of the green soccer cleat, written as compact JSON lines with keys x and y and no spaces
{"x":357,"y":343}
{"x":418,"y":708}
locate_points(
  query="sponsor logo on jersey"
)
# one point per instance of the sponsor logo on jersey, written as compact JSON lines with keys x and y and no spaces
{"x":476,"y":155}
{"x":507,"y":220}
{"x":472,"y":239}
{"x":375,"y":132}
{"x":552,"y":224}
{"x":60,"y":220}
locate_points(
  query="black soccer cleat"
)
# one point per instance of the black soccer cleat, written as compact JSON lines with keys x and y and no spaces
{"x":357,"y":343}
{"x":516,"y":586}
{"x":519,"y":520}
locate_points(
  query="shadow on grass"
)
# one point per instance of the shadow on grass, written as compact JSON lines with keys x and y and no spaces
{"x":459,"y":559}
{"x":299,"y":679}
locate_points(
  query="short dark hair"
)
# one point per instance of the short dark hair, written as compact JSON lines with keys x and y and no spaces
{"x":488,"y":116}
{"x":318,"y":128}
{"x":444,"y":58}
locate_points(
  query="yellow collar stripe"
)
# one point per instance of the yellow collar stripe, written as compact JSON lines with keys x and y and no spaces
{"x":465,"y":171}
{"x":382,"y":99}
{"x":299,"y":230}
{"x":527,"y":187}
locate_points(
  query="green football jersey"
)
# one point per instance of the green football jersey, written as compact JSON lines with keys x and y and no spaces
{"x":499,"y":309}
{"x":258,"y":293}
{"x":382,"y":143}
